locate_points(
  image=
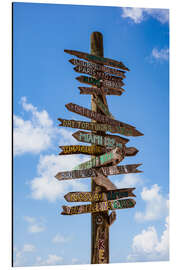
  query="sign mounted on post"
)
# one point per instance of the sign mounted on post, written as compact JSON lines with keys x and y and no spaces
{"x":82,"y":149}
{"x":97,"y":91}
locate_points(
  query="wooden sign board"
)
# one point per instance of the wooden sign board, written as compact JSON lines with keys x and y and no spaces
{"x":96,"y":116}
{"x":103,"y":181}
{"x":82,"y":149}
{"x":97,"y":74}
{"x":99,"y":197}
{"x":112,"y":170}
{"x":97,"y":91}
{"x":97,"y":67}
{"x":98,"y":207}
{"x":100,"y":83}
{"x":109,"y":141}
{"x":98,"y":59}
{"x":104,"y":108}
{"x":112,"y":157}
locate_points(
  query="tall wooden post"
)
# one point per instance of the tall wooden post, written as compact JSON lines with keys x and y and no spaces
{"x":99,"y":221}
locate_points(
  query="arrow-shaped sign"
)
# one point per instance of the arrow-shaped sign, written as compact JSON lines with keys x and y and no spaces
{"x":99,"y":197}
{"x":97,"y":67}
{"x":98,"y":207}
{"x":97,"y":59}
{"x":82,"y":149}
{"x":97,"y":91}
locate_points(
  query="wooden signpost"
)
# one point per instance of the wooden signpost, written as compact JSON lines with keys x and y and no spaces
{"x":97,"y":91}
{"x":106,"y":150}
{"x":97,"y":67}
{"x":99,"y":197}
{"x":98,"y":207}
{"x":92,"y":172}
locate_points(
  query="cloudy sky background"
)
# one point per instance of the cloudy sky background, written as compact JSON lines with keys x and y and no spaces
{"x":44,"y":81}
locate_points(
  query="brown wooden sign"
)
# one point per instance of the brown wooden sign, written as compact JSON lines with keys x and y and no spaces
{"x":99,"y":197}
{"x":100,"y":83}
{"x":104,"y":108}
{"x":97,"y":74}
{"x":98,"y":207}
{"x":97,"y":67}
{"x":109,"y":141}
{"x":82,"y":149}
{"x":112,"y":170}
{"x":130,"y":151}
{"x":98,"y":59}
{"x":97,"y":91}
{"x":96,"y":116}
{"x":112,"y":157}
{"x":112,"y":217}
{"x":103,"y":181}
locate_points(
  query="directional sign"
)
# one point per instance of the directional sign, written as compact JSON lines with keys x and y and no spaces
{"x":109,"y":141}
{"x":82,"y":149}
{"x":100,"y":83}
{"x":99,"y":197}
{"x":96,"y":116}
{"x":97,"y":91}
{"x":130,"y":151}
{"x":97,"y":67}
{"x":123,"y":169}
{"x":98,"y":59}
{"x":97,"y":74}
{"x":103,"y":181}
{"x":113,"y":157}
{"x":112,"y":170}
{"x":98,"y":207}
{"x":102,"y":107}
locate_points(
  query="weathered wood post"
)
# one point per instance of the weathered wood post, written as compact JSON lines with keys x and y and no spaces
{"x":99,"y":221}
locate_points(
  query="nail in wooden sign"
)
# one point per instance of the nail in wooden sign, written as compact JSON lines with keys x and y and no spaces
{"x":100,"y":83}
{"x":98,"y":207}
{"x":97,"y":91}
{"x":98,"y":59}
{"x":86,"y":173}
{"x":102,"y":107}
{"x":97,"y":74}
{"x":96,"y":116}
{"x":113,"y":157}
{"x":82,"y":149}
{"x":99,"y":197}
{"x":97,"y":67}
{"x":104,"y":140}
{"x":98,"y":127}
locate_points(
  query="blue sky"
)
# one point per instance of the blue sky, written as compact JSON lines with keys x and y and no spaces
{"x":44,"y":81}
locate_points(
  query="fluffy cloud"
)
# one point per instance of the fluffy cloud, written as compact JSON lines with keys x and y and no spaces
{"x":52,"y":259}
{"x":58,"y":238}
{"x":46,"y":186}
{"x":162,"y":54}
{"x":34,"y":225}
{"x":128,"y":180}
{"x":147,"y":247}
{"x":19,"y":258}
{"x":137,"y":15}
{"x":156,"y":204}
{"x":33,"y":135}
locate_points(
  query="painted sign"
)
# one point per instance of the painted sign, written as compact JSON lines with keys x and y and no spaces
{"x":82,"y":149}
{"x":96,"y":116}
{"x":97,"y":67}
{"x":112,"y":170}
{"x":108,"y":141}
{"x":99,"y":197}
{"x":102,"y":107}
{"x":98,"y":207}
{"x":98,"y":59}
{"x":98,"y":127}
{"x":100,"y":83}
{"x":97,"y":91}
{"x":97,"y":74}
{"x":112,"y":157}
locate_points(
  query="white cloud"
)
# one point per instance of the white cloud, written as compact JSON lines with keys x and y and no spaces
{"x":137,"y":15}
{"x":28,"y":248}
{"x":34,"y":225}
{"x":147,"y":247}
{"x":52,"y":259}
{"x":162,"y":54}
{"x":128,"y":180}
{"x":46,"y":186}
{"x":35,"y":134}
{"x":156,"y":204}
{"x":58,"y":238}
{"x":19,"y":258}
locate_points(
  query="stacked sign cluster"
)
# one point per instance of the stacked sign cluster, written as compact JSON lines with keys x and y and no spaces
{"x":106,"y":150}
